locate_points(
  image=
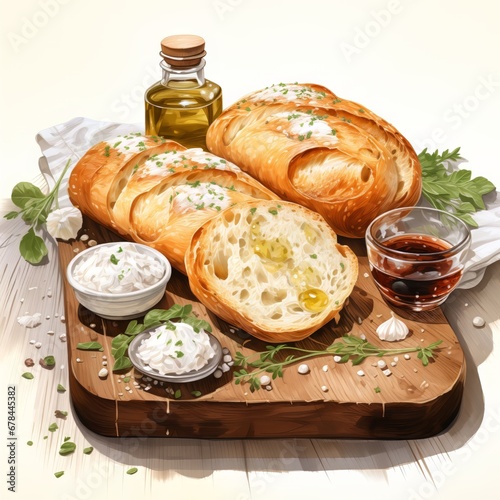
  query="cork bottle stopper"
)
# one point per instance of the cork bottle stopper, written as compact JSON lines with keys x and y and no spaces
{"x":183,"y":50}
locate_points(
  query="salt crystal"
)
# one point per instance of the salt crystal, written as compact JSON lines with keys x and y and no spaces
{"x":407,"y":356}
{"x":217,"y":374}
{"x":84,"y":237}
{"x":325,"y":368}
{"x":337,"y":359}
{"x":224,"y":367}
{"x":265,"y":380}
{"x":324,"y":388}
{"x":366,"y":275}
{"x":30,"y":321}
{"x":387,"y":372}
{"x":361,"y":373}
{"x":478,"y":322}
{"x":32,"y":342}
{"x":92,"y":243}
{"x":303,"y":369}
{"x":103,"y":373}
{"x":38,"y":345}
{"x":362,"y":336}
{"x":227,"y":358}
{"x":381,"y":364}
{"x":78,"y":360}
{"x":225,"y":350}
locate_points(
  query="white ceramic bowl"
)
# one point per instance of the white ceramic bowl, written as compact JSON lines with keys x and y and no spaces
{"x":126,"y":305}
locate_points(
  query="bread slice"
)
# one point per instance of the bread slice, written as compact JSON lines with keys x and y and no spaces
{"x":272,"y":268}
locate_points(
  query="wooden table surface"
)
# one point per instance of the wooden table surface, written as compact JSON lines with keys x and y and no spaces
{"x":461,"y":461}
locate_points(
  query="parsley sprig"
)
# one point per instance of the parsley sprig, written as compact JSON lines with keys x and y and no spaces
{"x":349,"y":347}
{"x":35,"y":208}
{"x":456,"y":192}
{"x":153,"y":318}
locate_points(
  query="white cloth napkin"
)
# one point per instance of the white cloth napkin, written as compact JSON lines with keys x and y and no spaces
{"x":70,"y":140}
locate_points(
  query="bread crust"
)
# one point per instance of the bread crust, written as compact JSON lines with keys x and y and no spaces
{"x":313,"y":148}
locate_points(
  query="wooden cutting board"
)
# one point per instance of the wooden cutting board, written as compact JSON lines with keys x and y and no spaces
{"x":413,"y":402}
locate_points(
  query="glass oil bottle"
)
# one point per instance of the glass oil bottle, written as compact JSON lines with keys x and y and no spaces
{"x":183,"y":104}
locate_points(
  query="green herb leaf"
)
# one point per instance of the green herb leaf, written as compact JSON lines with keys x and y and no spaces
{"x":456,"y":192}
{"x":30,"y":443}
{"x":122,"y":363}
{"x":88,"y":450}
{"x":61,"y":388}
{"x":132,"y":470}
{"x":377,"y":389}
{"x":196,"y":394}
{"x":197,"y":324}
{"x":178,"y":394}
{"x":89,"y":346}
{"x":24,"y":193}
{"x":53,"y":427}
{"x":28,"y":375}
{"x":59,"y":474}
{"x":67,"y":448}
{"x":32,"y":247}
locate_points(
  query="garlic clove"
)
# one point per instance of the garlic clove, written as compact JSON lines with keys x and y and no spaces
{"x":64,"y":223}
{"x":392,"y":330}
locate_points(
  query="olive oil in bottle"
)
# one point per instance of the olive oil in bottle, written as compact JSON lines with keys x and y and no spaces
{"x":183,"y":104}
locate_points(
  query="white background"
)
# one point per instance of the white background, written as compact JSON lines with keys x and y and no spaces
{"x":431,"y":68}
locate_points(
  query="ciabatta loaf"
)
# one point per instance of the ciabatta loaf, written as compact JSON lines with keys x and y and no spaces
{"x":272,"y":268}
{"x":157,"y":192}
{"x":326,"y":153}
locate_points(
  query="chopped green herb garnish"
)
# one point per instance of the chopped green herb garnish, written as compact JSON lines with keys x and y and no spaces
{"x":88,"y":451}
{"x":67,"y":448}
{"x":113,"y":259}
{"x":53,"y":427}
{"x":131,"y":471}
{"x":28,"y":375}
{"x":59,"y":474}
{"x":313,"y":256}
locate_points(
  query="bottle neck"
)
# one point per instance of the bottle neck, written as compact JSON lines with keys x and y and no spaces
{"x":194,"y":74}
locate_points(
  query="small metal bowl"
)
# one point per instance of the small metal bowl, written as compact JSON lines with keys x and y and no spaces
{"x":191,"y":376}
{"x":120,"y":306}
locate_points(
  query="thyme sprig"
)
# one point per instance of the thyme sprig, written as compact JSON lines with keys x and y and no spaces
{"x":349,"y":347}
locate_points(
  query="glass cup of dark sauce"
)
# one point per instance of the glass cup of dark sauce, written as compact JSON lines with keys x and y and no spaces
{"x":417,"y":255}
